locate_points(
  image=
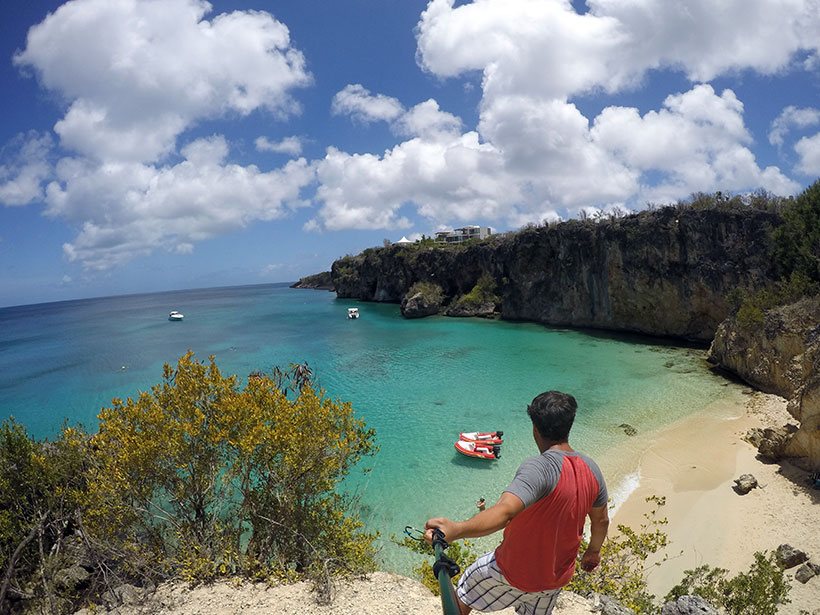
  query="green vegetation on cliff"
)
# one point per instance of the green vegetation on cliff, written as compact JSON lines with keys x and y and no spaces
{"x":797,"y":240}
{"x":483,"y":293}
{"x":795,"y":248}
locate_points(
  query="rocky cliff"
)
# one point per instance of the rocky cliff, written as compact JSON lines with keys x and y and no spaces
{"x":664,"y":272}
{"x":781,"y":355}
{"x":317,"y":281}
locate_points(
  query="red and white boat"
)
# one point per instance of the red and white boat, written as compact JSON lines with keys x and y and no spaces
{"x":483,"y":437}
{"x":477,"y":449}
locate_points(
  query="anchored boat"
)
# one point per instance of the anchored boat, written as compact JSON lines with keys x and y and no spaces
{"x":482,"y":437}
{"x":477,"y":449}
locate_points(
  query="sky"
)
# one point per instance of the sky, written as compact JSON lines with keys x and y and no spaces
{"x":150,"y":145}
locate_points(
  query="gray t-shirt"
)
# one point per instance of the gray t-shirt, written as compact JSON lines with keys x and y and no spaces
{"x":537,"y":477}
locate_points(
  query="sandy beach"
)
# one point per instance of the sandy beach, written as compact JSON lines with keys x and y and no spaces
{"x":693,"y":464}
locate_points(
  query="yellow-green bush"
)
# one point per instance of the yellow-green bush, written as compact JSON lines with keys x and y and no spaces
{"x":202,"y":478}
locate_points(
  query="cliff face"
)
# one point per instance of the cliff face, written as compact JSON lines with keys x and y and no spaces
{"x":781,"y":356}
{"x":317,"y":281}
{"x":664,"y":272}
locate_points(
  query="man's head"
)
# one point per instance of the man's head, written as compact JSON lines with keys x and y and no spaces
{"x":552,"y":414}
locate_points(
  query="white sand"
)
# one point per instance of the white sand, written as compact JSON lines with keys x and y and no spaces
{"x":693,"y":464}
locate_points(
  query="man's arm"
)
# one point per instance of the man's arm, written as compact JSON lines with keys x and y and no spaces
{"x":486,"y":522}
{"x":599,"y":525}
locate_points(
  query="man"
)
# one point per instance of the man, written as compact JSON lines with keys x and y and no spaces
{"x":543,"y":512}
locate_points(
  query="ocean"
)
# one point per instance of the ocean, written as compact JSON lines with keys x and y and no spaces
{"x":418,"y":383}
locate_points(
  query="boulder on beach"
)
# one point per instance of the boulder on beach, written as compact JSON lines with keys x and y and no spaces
{"x":744,"y":484}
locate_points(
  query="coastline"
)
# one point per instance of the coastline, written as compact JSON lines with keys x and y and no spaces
{"x":693,"y":464}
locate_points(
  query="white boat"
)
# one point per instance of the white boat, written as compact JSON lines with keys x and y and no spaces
{"x":175,"y":315}
{"x":352,"y":312}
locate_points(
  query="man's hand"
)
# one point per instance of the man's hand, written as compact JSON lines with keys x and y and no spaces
{"x":447,"y":526}
{"x":494,"y":518}
{"x":590,"y":560}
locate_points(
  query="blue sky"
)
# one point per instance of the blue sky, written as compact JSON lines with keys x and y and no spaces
{"x":158,"y":144}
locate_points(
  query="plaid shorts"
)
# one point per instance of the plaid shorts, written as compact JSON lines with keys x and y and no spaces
{"x":484,"y":588}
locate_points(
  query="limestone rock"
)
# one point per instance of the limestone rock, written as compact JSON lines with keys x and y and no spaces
{"x":419,"y":304}
{"x":75,"y":551}
{"x":608,"y":606}
{"x":125,"y":594}
{"x":804,"y":573}
{"x":72,"y":578}
{"x":461,"y":309}
{"x":805,"y":407}
{"x":771,"y":442}
{"x":789,"y":557}
{"x":664,"y":272}
{"x":744,"y":484}
{"x":688,"y":605}
{"x":781,"y":356}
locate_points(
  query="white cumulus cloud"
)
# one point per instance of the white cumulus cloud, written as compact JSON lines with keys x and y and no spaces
{"x":790,"y":118}
{"x":129,"y":209}
{"x":358,"y":102}
{"x":534,"y":154}
{"x":135,"y":75}
{"x":544,"y":48}
{"x":25,"y":169}
{"x":808,"y":148}
{"x":456,"y":179}
{"x":289,"y":145}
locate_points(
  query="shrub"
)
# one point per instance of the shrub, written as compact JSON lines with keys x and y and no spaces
{"x":750,"y":306}
{"x":42,"y":493}
{"x":483,"y":292}
{"x":622,"y":572}
{"x":756,"y":592}
{"x":201,"y":479}
{"x":797,"y":240}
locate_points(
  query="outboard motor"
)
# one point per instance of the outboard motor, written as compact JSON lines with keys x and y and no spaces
{"x":497,"y":451}
{"x":499,"y":433}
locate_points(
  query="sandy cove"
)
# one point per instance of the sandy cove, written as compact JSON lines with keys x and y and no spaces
{"x":693,"y":464}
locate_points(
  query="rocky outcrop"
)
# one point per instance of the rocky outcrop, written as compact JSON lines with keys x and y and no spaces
{"x":317,"y":281}
{"x":688,"y":605}
{"x":461,"y":309}
{"x":781,"y":355}
{"x":423,"y":299}
{"x":664,"y":272}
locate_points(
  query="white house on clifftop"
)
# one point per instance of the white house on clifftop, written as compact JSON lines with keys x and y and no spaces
{"x":463,"y":234}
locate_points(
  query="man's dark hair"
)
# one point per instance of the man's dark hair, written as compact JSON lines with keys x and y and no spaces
{"x":552,"y":413}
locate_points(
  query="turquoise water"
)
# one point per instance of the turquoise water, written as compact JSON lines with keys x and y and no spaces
{"x":417,"y":382}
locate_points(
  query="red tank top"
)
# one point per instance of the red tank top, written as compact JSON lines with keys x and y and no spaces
{"x":541,"y":543}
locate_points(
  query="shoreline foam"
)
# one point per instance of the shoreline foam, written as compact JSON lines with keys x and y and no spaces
{"x":693,"y":464}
